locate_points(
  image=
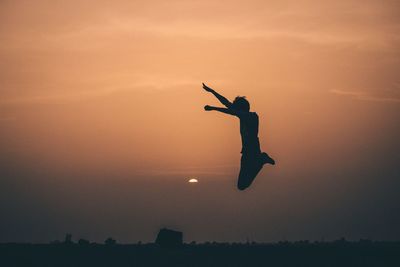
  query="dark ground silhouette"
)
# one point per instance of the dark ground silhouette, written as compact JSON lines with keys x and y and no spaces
{"x":252,"y":159}
{"x":302,"y":253}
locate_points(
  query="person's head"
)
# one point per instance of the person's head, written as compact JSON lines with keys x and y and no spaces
{"x":240,"y":103}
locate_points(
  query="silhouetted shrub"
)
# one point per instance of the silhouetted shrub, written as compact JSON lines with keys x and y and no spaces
{"x":83,"y":242}
{"x":110,"y":242}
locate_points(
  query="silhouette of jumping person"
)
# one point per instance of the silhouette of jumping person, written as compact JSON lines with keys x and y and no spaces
{"x":252,"y":159}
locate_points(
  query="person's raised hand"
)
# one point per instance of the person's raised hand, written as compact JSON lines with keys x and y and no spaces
{"x":207,"y":108}
{"x":205,"y":87}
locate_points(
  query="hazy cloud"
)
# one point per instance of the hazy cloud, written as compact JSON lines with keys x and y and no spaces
{"x":77,"y":95}
{"x":5,"y":119}
{"x":359,"y":95}
{"x":367,"y":24}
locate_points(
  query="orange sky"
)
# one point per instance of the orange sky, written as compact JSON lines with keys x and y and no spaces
{"x":102,"y":101}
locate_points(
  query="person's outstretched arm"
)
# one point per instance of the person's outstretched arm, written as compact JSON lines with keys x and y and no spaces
{"x":223,"y":110}
{"x":221,"y":99}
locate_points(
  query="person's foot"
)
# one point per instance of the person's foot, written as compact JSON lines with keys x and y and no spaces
{"x":267,"y":159}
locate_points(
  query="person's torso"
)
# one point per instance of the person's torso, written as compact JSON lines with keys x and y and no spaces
{"x":249,"y":132}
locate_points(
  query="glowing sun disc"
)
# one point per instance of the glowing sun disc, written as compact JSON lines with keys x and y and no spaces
{"x":193,"y":180}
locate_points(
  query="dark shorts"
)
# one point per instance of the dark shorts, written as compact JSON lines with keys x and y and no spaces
{"x":250,"y":166}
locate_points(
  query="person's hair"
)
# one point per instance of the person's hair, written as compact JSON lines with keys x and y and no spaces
{"x":241,"y":103}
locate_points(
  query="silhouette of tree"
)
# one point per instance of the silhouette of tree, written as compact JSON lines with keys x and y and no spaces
{"x":110,"y":242}
{"x":83,"y":242}
{"x":68,"y":239}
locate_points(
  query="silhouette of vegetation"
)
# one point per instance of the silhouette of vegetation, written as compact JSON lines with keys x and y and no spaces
{"x":83,"y":242}
{"x":300,"y":253}
{"x":68,"y":239}
{"x":110,"y":242}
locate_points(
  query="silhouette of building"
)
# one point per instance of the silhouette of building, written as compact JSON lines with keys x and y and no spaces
{"x":169,"y":238}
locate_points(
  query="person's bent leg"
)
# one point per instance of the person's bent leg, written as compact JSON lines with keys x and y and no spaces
{"x":243,"y":183}
{"x":249,"y":168}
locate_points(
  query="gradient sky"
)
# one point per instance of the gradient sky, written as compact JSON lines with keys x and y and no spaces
{"x":102,"y":121}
